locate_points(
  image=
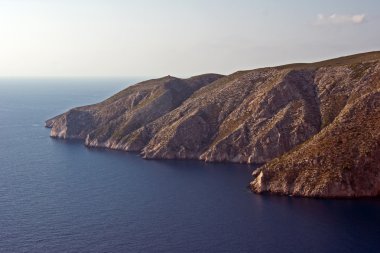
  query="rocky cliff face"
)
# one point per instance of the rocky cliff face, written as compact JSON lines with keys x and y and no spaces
{"x":343,"y":159}
{"x":316,"y":126}
{"x":111,"y":121}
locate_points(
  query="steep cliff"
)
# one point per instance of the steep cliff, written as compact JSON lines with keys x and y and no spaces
{"x":113,"y":120}
{"x":343,"y":159}
{"x":316,"y":126}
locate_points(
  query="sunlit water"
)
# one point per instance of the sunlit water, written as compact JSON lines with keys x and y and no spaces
{"x":58,"y":196}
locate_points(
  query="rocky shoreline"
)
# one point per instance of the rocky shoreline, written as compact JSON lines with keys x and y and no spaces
{"x":315,"y":126}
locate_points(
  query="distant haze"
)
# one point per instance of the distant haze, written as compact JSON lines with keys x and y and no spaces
{"x":102,"y":38}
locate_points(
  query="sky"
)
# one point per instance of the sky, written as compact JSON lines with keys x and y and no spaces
{"x":115,"y":38}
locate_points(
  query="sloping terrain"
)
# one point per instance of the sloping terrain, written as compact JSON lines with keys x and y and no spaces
{"x":126,"y":111}
{"x":316,"y":126}
{"x":342,"y":160}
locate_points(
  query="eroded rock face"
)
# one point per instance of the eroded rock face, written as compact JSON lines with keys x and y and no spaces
{"x":316,"y":126}
{"x":342,"y":160}
{"x":114,"y":121}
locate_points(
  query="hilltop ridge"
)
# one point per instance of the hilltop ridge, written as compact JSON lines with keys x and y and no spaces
{"x":314,"y":126}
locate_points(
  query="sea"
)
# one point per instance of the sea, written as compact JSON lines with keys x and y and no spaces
{"x":59,"y":196}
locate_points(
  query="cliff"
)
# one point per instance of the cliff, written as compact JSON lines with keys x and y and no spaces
{"x":315,"y":126}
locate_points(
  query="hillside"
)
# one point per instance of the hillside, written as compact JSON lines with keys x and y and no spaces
{"x":315,"y":126}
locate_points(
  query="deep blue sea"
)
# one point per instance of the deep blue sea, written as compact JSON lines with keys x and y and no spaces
{"x":59,"y":196}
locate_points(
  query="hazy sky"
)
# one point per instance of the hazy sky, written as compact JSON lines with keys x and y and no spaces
{"x":153,"y":38}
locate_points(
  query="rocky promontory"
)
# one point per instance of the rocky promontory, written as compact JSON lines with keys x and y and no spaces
{"x":315,"y":127}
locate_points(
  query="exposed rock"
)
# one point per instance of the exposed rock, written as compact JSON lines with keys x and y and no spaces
{"x":343,"y":160}
{"x":113,"y":122}
{"x":316,"y":126}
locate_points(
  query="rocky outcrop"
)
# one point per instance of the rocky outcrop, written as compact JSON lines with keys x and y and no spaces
{"x":113,"y":122}
{"x":315,"y":126}
{"x":342,"y":160}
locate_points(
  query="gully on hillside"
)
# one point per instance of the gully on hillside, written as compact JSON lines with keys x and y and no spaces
{"x":316,"y":126}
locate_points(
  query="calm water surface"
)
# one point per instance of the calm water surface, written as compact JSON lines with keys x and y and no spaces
{"x":58,"y":196}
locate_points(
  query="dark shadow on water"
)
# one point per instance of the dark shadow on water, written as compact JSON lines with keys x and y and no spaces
{"x":189,"y":164}
{"x":170,"y":162}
